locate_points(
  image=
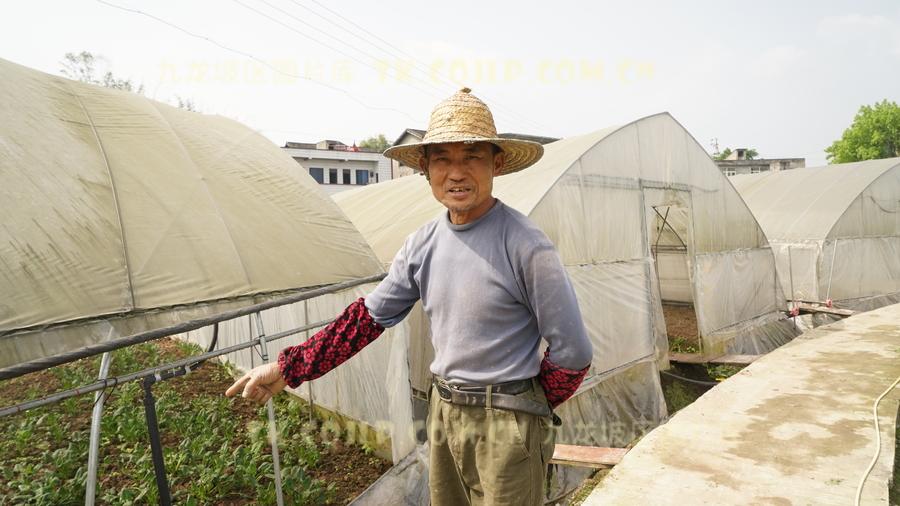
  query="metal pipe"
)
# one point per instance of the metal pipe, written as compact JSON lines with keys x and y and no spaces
{"x":90,"y":490}
{"x":791,"y":275}
{"x":309,"y":384}
{"x":270,"y":408}
{"x":142,"y":337}
{"x":250,"y":336}
{"x":178,"y":364}
{"x":831,"y":271}
{"x":159,"y":464}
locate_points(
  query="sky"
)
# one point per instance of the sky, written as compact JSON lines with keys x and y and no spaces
{"x":785,"y":78}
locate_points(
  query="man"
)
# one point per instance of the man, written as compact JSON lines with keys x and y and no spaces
{"x":492,"y":285}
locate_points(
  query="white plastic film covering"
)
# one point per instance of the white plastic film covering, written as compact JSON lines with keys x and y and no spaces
{"x":863,"y":267}
{"x":116,"y":207}
{"x":674,"y":277}
{"x":729,"y":286}
{"x":841,"y":224}
{"x":614,"y":411}
{"x":809,"y":203}
{"x":615,"y":301}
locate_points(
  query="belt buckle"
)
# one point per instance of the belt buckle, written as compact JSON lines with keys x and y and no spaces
{"x":443,"y":392}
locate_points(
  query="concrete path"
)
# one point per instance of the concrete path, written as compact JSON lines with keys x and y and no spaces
{"x":794,"y":428}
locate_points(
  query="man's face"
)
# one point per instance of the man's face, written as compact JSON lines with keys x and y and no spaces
{"x":462,"y":177}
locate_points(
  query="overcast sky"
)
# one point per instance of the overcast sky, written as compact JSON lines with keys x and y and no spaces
{"x":785,"y":78}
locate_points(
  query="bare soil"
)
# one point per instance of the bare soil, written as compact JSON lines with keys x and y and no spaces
{"x":351,"y":470}
{"x":681,"y":325}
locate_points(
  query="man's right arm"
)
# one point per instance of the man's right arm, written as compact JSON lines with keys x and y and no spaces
{"x":357,"y":326}
{"x":346,"y":336}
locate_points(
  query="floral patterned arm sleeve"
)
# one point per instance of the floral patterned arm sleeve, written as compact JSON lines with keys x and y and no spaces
{"x":559,"y":383}
{"x":350,"y":332}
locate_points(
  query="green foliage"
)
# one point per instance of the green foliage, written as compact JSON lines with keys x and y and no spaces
{"x":723,"y":155}
{"x":682,"y":345}
{"x":894,"y":492}
{"x":378,"y":143}
{"x":749,"y":154}
{"x":678,"y":395}
{"x":211,"y":455}
{"x":720,"y":372}
{"x":874,"y":134}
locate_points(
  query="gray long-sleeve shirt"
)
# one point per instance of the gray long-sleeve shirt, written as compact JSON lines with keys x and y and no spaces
{"x":491,"y":289}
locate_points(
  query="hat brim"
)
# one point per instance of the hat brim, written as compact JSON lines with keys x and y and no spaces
{"x":518,"y":154}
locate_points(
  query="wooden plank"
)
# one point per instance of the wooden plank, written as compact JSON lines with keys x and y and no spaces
{"x":587,"y":456}
{"x":735,"y":359}
{"x":697,"y":358}
{"x":687,"y":358}
{"x":809,"y":309}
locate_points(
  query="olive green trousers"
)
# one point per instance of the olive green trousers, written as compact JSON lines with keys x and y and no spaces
{"x":490,"y":457}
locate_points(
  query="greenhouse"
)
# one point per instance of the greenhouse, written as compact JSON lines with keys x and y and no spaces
{"x":617,"y":203}
{"x":835,"y":230}
{"x":123,"y":216}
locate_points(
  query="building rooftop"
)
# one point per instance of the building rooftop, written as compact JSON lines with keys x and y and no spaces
{"x":327,"y":145}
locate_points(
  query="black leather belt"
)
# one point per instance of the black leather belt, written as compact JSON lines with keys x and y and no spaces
{"x":502,"y":396}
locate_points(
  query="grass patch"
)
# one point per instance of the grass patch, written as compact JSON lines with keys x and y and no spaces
{"x":719,"y":372}
{"x":216,"y":449}
{"x":894,"y":492}
{"x":585,"y":489}
{"x":680,"y":344}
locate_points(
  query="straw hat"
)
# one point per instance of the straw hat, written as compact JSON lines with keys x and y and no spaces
{"x":465,"y":118}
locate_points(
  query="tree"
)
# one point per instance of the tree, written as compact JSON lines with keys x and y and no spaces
{"x":723,"y":155}
{"x":82,"y":66}
{"x":379,"y":143}
{"x":186,"y":104}
{"x":749,"y":154}
{"x":874,"y":134}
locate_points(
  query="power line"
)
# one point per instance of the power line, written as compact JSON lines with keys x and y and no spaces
{"x":291,"y":28}
{"x":356,"y":48}
{"x":332,"y":37}
{"x":421,"y":65}
{"x":367,"y":40}
{"x":258,"y":60}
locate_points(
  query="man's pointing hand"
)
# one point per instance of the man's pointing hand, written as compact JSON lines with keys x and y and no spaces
{"x":259,"y":384}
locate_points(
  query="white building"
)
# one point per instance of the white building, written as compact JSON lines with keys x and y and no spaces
{"x":337,"y":166}
{"x":738,"y":163}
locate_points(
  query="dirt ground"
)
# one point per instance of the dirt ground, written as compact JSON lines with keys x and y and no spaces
{"x":350,"y":469}
{"x":681,"y":327}
{"x":681,"y":321}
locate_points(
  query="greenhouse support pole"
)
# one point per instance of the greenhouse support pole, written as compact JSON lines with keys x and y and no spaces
{"x":270,"y":407}
{"x":159,"y":465}
{"x":791,"y":276}
{"x":831,"y":271}
{"x":90,"y":490}
{"x":309,"y":384}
